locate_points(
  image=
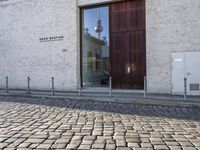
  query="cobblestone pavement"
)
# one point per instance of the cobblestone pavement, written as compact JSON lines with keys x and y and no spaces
{"x":28,"y":123}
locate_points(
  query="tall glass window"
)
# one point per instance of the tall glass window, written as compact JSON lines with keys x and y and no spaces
{"x":95,"y":47}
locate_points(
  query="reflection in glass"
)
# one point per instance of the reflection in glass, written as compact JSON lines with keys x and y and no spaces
{"x":95,"y":47}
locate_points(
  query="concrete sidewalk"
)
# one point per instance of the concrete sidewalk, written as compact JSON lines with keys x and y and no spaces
{"x":117,"y":96}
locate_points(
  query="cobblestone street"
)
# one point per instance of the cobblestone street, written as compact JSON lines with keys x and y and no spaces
{"x":30,"y":123}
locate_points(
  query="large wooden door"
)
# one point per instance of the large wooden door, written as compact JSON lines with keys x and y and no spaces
{"x":127,"y":44}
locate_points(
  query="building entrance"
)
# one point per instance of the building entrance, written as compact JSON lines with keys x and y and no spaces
{"x":113,"y":44}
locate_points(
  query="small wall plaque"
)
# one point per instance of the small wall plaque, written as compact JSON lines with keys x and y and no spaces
{"x":51,"y":38}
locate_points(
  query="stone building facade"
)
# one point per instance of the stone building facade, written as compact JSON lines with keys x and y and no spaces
{"x":41,"y":39}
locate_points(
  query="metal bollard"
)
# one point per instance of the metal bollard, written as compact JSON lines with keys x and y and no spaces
{"x":185,"y":88}
{"x":28,"y":85}
{"x":145,"y":87}
{"x":6,"y":84}
{"x":53,"y":88}
{"x":80,"y":88}
{"x":110,"y":86}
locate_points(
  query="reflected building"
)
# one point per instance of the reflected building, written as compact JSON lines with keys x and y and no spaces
{"x":95,"y":60}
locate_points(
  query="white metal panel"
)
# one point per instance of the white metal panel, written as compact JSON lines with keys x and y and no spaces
{"x":185,"y":64}
{"x":177,"y":68}
{"x":192,"y":68}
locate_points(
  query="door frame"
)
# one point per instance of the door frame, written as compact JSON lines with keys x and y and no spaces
{"x":109,"y":27}
{"x":81,"y":30}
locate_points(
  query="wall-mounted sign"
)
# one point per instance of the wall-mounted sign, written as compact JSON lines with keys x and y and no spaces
{"x":51,"y":38}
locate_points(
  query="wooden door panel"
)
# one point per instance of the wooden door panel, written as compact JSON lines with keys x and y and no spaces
{"x":127,"y":44}
{"x":140,"y":58}
{"x":136,"y":15}
{"x":135,"y":59}
{"x":114,"y":18}
{"x":122,"y":17}
{"x":130,"y":59}
{"x":117,"y":70}
{"x":119,"y":17}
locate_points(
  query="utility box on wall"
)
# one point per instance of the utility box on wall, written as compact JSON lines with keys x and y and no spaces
{"x":185,"y":65}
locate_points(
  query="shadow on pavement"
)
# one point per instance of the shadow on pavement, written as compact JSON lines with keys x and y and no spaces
{"x":186,"y":113}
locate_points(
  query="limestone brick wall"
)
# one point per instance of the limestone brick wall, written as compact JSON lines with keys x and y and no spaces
{"x":171,"y":26}
{"x":22,"y":24}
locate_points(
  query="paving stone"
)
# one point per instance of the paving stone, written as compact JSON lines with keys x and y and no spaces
{"x":133,"y":145}
{"x":189,"y":148}
{"x":85,"y":147}
{"x":158,"y":143}
{"x":172,"y":143}
{"x":44,"y":146}
{"x":75,"y":142}
{"x":72,"y":146}
{"x":146,"y":145}
{"x":123,"y":148}
{"x":91,"y":137}
{"x":62,"y":141}
{"x":98,"y":146}
{"x":58,"y":146}
{"x":9,"y":148}
{"x":155,"y":139}
{"x":2,"y":139}
{"x":29,"y":123}
{"x":24,"y":149}
{"x":24,"y":145}
{"x":33,"y":146}
{"x":175,"y":147}
{"x":160,"y":147}
{"x":99,"y":141}
{"x":10,"y":140}
{"x":87,"y":142}
{"x":185,"y":144}
{"x":143,"y":148}
{"x":34,"y":140}
{"x":133,"y":140}
{"x":3,"y":145}
{"x":120,"y":143}
{"x":110,"y":146}
{"x":110,"y":141}
{"x":49,"y":141}
{"x":196,"y":144}
{"x":144,"y":140}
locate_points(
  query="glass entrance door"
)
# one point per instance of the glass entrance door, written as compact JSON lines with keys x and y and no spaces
{"x":95,"y":47}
